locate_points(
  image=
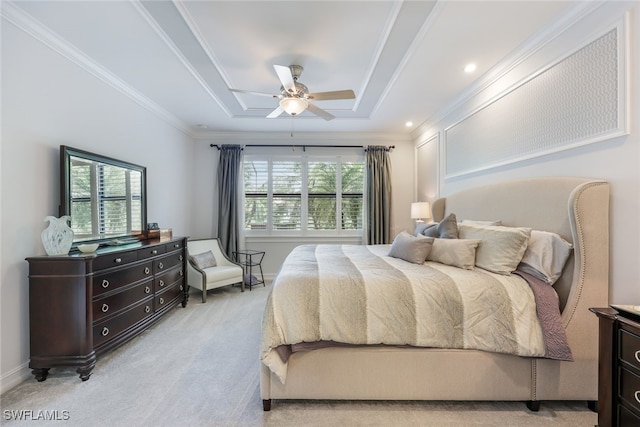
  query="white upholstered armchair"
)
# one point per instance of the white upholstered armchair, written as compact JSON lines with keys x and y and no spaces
{"x":211,"y":270}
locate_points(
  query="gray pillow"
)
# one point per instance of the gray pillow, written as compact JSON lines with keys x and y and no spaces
{"x":204,"y":260}
{"x":411,"y":248}
{"x":445,"y":229}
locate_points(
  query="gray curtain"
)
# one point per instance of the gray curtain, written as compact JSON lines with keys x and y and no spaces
{"x":229,"y":179}
{"x":378,"y":193}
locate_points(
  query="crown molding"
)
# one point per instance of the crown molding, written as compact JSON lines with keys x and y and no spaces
{"x":40,"y":32}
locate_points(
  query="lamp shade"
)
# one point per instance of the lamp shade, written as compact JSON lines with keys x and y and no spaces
{"x":293,"y":106}
{"x":420,"y":210}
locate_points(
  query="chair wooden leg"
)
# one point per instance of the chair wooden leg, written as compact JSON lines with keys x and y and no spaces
{"x":204,"y":295}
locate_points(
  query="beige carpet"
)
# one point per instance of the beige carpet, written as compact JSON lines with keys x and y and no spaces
{"x":199,"y":367}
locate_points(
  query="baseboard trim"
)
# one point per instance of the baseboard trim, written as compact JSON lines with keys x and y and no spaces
{"x":14,"y":377}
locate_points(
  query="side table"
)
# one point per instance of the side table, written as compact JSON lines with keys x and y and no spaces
{"x":248,"y":259}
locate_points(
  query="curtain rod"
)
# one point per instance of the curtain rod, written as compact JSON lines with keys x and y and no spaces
{"x":304,"y":146}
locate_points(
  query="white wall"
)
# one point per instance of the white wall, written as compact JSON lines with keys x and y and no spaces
{"x":616,"y":160}
{"x":48,"y":101}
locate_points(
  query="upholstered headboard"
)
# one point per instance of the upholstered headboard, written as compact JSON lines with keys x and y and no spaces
{"x":575,"y":208}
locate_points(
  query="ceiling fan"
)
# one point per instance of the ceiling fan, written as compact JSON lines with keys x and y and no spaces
{"x":295,"y":97}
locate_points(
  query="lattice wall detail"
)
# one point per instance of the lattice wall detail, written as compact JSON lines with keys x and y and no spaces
{"x":572,"y":101}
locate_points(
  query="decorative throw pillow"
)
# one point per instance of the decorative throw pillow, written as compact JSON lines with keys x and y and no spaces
{"x":411,"y":248}
{"x":204,"y":260}
{"x":445,"y":229}
{"x":501,"y":249}
{"x":546,"y":255}
{"x":459,"y":253}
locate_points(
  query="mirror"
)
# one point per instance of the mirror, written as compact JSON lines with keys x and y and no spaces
{"x":105,"y":197}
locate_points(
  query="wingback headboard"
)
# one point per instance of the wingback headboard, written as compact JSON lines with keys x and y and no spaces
{"x":575,"y":208}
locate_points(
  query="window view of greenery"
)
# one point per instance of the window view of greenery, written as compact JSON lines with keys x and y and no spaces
{"x":331,"y":197}
{"x":114,"y":192}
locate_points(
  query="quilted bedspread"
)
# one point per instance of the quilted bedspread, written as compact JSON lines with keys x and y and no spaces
{"x":356,"y":294}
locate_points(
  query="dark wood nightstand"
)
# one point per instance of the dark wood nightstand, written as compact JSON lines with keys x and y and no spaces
{"x":619,"y":365}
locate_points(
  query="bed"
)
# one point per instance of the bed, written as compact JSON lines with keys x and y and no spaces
{"x":576,"y":209}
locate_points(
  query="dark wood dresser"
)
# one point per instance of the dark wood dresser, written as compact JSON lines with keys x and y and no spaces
{"x":82,"y":305}
{"x":619,"y":366}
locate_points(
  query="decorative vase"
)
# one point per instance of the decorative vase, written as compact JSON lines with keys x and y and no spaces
{"x":57,"y":238}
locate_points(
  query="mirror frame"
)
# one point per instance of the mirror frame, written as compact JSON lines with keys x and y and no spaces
{"x":66,"y":153}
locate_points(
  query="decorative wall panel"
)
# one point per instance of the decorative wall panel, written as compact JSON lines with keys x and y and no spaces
{"x":573,"y":102}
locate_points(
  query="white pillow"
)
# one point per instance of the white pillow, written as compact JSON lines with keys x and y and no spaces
{"x":455,"y":252}
{"x":501,"y":248}
{"x":411,"y":248}
{"x":546,"y":255}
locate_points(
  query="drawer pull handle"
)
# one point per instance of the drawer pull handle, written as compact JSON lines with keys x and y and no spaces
{"x":105,"y":308}
{"x":160,"y":265}
{"x":105,"y":283}
{"x":147,"y":309}
{"x":180,"y":257}
{"x":146,"y":270}
{"x":117,"y":260}
{"x":161,"y":283}
{"x":161,"y":300}
{"x":176,"y":245}
{"x":638,"y":355}
{"x":181,"y":288}
{"x":181,"y":273}
{"x":637,"y":396}
{"x":147,"y":289}
{"x":154,"y":251}
{"x":105,"y":331}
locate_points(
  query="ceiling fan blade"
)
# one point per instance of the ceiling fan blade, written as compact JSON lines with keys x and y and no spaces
{"x":284,"y":74}
{"x":320,"y":112}
{"x":270,"y":95}
{"x":275,"y":113}
{"x":336,"y":94}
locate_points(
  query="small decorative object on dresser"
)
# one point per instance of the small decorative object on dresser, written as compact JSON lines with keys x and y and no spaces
{"x":83,"y":305}
{"x":57,"y":238}
{"x":619,"y":365}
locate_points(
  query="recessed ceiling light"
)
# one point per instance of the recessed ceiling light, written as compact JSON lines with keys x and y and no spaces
{"x":201,"y":126}
{"x":470,"y":68}
{"x":409,"y":124}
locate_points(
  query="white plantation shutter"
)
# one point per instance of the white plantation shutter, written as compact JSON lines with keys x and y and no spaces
{"x":287,"y":195}
{"x":303,"y":194}
{"x":352,"y":180}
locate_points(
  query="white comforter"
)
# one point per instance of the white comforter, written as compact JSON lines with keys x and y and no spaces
{"x":356,"y":294}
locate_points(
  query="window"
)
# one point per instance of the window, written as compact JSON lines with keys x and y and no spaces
{"x":305,"y":194}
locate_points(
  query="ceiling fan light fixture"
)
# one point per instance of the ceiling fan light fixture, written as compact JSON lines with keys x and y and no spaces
{"x":293,"y":106}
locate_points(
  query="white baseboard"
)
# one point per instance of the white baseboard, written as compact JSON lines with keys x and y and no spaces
{"x":14,"y":377}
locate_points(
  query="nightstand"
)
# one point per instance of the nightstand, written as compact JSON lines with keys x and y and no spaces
{"x":619,"y":365}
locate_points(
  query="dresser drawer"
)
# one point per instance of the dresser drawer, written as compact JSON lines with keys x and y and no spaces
{"x":629,"y":387}
{"x":108,"y":282}
{"x":174,"y":246}
{"x":630,"y":348}
{"x":152,"y":251}
{"x":169,"y":295}
{"x":626,"y":418}
{"x":115,"y":259}
{"x":111,"y":328}
{"x":165,"y":280}
{"x":113,"y":304}
{"x":167,"y":262}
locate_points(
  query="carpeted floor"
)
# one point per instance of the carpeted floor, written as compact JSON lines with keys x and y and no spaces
{"x":199,"y":367}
